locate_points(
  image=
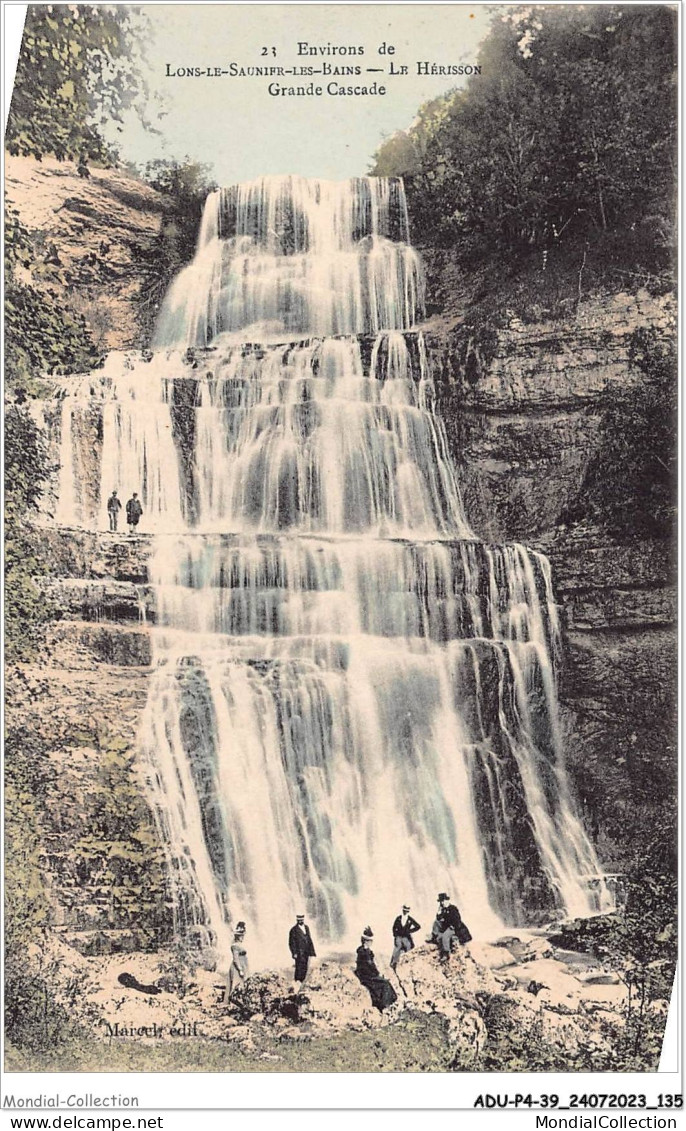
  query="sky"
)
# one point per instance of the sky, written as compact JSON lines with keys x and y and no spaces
{"x":241,"y":131}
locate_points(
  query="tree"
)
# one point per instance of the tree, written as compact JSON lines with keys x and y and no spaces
{"x":79,"y":68}
{"x":566,"y":138}
{"x":186,"y":183}
{"x":26,"y":609}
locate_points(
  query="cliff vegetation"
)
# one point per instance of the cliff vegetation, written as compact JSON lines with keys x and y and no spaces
{"x":558,"y":161}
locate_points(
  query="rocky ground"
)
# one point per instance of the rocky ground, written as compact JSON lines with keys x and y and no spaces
{"x":520,"y":984}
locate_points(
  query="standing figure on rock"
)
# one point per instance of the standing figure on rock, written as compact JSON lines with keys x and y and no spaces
{"x":238,"y":970}
{"x":404,"y":926}
{"x":301,"y":947}
{"x":134,"y":511}
{"x":448,"y":925}
{"x":380,"y":989}
{"x":113,"y":508}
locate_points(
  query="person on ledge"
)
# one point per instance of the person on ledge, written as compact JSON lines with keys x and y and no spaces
{"x":448,"y":925}
{"x":404,"y":926}
{"x":238,"y":970}
{"x":301,"y":947}
{"x":113,"y":508}
{"x":134,"y":511}
{"x":380,"y":989}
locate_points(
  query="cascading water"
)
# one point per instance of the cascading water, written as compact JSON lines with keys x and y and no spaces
{"x":353,"y":703}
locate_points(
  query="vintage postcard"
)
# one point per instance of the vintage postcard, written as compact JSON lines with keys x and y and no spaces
{"x":340,"y":563}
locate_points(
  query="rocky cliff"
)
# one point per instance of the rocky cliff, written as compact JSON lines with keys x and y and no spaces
{"x":92,"y":238}
{"x":523,"y":424}
{"x":523,"y":405}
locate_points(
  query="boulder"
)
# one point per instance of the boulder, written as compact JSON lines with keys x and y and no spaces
{"x":614,"y":996}
{"x":556,"y":988}
{"x":331,"y":1001}
{"x":492,"y":957}
{"x":599,"y":978}
{"x":525,"y":948}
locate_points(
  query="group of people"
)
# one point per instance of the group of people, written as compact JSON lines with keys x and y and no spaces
{"x":134,"y":510}
{"x":447,"y":927}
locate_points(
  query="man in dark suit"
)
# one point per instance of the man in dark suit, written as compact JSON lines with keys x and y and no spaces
{"x":134,"y":511}
{"x":301,"y":947}
{"x":448,"y":925}
{"x":404,"y":926}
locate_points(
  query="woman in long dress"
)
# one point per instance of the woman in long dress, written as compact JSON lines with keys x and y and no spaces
{"x":380,"y":989}
{"x":238,"y":970}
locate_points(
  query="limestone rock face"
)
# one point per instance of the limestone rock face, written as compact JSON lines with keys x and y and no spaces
{"x":523,"y":406}
{"x":100,"y":227}
{"x":332,"y":999}
{"x":523,"y":418}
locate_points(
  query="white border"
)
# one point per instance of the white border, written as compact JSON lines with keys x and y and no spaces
{"x":313,"y":1093}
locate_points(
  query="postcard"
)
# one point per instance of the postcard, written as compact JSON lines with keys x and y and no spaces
{"x":340,"y":560}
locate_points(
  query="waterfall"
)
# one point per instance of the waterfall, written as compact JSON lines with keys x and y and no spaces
{"x":288,"y":256}
{"x":353,"y":701}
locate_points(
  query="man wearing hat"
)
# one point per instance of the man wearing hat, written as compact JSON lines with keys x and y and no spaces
{"x":301,"y":947}
{"x":447,"y":926}
{"x":404,"y":927}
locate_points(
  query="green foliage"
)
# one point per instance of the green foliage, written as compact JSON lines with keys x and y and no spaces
{"x":522,"y":1048}
{"x":26,"y":610}
{"x":26,"y":904}
{"x":34,"y":1021}
{"x":43,"y":336}
{"x":25,"y":454}
{"x":186,"y":184}
{"x":642,"y":938}
{"x":79,"y":68}
{"x":112,"y":846}
{"x":566,"y":139}
{"x":418,"y":1044}
{"x":629,"y":1046}
{"x":115,"y":847}
{"x":18,"y":243}
{"x":640,"y":942}
{"x":631,"y":484}
{"x":406,"y":153}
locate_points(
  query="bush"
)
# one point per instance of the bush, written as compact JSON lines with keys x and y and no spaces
{"x":78,"y":69}
{"x":26,"y":610}
{"x":566,"y":137}
{"x":43,"y":336}
{"x":34,"y":1021}
{"x":186,"y":184}
{"x":115,"y":845}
